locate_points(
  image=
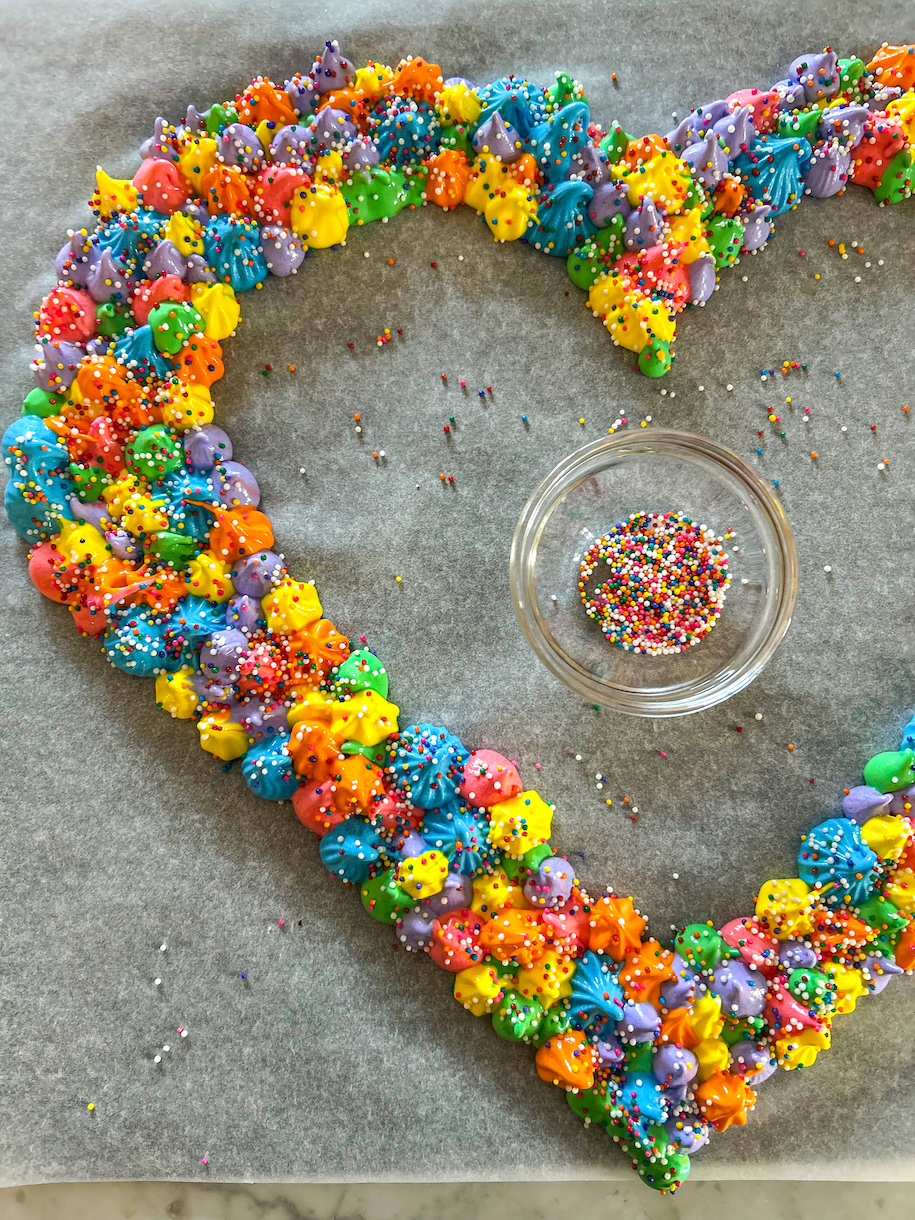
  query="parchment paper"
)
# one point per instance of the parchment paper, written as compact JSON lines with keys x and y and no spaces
{"x":339,"y":1058}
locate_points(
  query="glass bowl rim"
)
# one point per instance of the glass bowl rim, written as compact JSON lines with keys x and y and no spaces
{"x":568,"y":474}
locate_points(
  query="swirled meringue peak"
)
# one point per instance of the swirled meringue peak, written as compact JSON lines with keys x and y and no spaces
{"x":562,"y":218}
{"x":331,"y":69}
{"x":819,"y":74}
{"x":735,"y":131}
{"x":828,"y":171}
{"x":403,"y":129}
{"x":161,"y":144}
{"x":239,"y":145}
{"x":361,"y":154}
{"x":708,"y":161}
{"x":644,"y":226}
{"x":283,"y":251}
{"x":609,"y":199}
{"x":498,"y":140}
{"x":302,"y":93}
{"x":165,"y":259}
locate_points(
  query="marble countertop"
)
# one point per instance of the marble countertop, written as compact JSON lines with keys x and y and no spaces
{"x":447,"y":1201}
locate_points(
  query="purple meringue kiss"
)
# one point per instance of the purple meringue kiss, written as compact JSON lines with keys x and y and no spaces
{"x":255,"y":575}
{"x":592,"y":165}
{"x":791,"y":95}
{"x":413,"y":845}
{"x":498,"y":140}
{"x":194,"y":120}
{"x":609,"y":1050}
{"x":159,"y":146}
{"x":685,"y":1135}
{"x":220,"y":654}
{"x":218,"y":690}
{"x":703,"y":275}
{"x":244,"y":614}
{"x":362,"y":154}
{"x":794,"y":955}
{"x":844,"y":123}
{"x":283,"y":251}
{"x":551,"y":884}
{"x":674,"y":1067}
{"x":302,"y":93}
{"x":237,"y":486}
{"x":95,"y":514}
{"x":882,"y":97}
{"x":292,"y":145}
{"x":879,"y":970}
{"x":123,"y":544}
{"x":640,"y":1022}
{"x":76,"y":258}
{"x":331,"y":69}
{"x":196,"y":210}
{"x":757,"y":227}
{"x":331,"y":128}
{"x":863,"y":803}
{"x":108,"y":279}
{"x":736,"y":131}
{"x":682,"y":136}
{"x":703,"y":118}
{"x":239,"y":145}
{"x":56,"y":364}
{"x":708,"y":161}
{"x":414,"y":931}
{"x":748,"y":1059}
{"x":205,"y":446}
{"x":679,"y":991}
{"x":644,"y":226}
{"x":819,"y":74}
{"x":742,"y":991}
{"x":165,"y":259}
{"x":456,"y":894}
{"x":262,"y":718}
{"x":828,"y":171}
{"x":197,"y":270}
{"x":608,"y":200}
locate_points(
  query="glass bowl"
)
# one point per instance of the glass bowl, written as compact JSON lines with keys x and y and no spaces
{"x":653,"y":470}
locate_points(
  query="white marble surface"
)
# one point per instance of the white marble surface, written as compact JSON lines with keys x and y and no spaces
{"x":477,"y":1201}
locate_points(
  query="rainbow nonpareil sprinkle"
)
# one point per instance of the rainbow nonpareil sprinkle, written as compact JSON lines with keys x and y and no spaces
{"x":662,"y":583}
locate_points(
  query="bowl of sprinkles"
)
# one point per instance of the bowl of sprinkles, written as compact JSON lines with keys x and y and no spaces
{"x":655,"y":574}
{"x":661,"y":582}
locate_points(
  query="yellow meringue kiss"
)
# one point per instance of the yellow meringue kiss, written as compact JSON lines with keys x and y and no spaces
{"x":319,"y":215}
{"x":785,"y":906}
{"x":176,"y":695}
{"x":185,"y":405}
{"x":217,"y":305}
{"x":509,"y":213}
{"x":291,"y":606}
{"x":210,"y":577}
{"x":422,"y":876}
{"x":115,"y":194}
{"x":520,"y":823}
{"x":219,"y":735}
